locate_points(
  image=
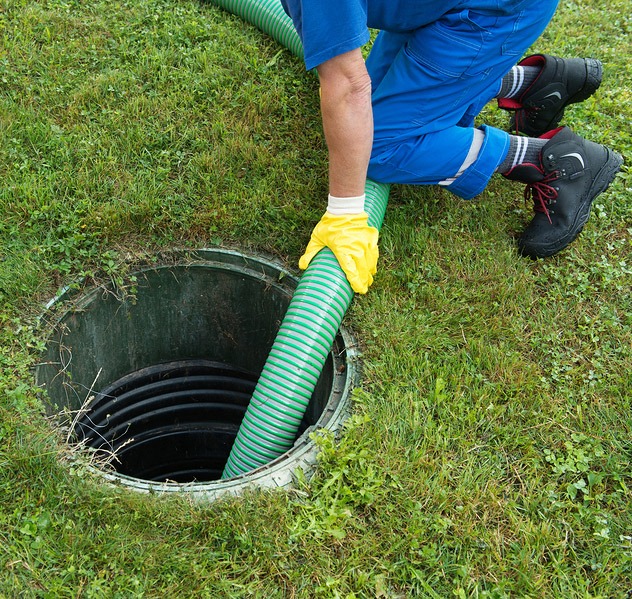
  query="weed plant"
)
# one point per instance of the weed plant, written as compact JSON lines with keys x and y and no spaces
{"x":489,"y":450}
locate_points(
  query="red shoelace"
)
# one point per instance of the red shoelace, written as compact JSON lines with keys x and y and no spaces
{"x":542,"y":193}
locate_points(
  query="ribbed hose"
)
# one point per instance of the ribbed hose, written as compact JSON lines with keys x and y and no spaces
{"x":269,"y":17}
{"x":315,"y":313}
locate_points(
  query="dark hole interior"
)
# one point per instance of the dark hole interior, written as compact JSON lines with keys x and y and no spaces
{"x":172,"y":422}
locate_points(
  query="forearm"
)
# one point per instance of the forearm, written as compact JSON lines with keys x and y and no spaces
{"x":348,"y":126}
{"x":347,"y":122}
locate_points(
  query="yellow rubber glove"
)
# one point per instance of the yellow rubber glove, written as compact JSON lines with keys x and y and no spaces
{"x":352,"y":241}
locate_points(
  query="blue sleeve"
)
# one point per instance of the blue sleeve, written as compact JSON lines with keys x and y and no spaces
{"x":328,"y":28}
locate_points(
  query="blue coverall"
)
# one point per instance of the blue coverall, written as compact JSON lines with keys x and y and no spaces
{"x":430,"y":82}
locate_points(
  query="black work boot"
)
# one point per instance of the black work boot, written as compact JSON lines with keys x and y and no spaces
{"x":562,"y":81}
{"x":571,"y":174}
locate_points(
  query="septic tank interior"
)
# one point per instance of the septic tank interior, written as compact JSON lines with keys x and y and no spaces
{"x":154,"y":382}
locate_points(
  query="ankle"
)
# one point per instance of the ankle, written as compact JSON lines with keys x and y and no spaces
{"x":517,"y":81}
{"x":522,"y":151}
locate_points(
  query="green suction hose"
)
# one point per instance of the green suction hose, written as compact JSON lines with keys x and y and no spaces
{"x":315,"y":313}
{"x":269,"y":17}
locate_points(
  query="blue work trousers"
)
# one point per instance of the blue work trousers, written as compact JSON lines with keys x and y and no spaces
{"x":431,"y":83}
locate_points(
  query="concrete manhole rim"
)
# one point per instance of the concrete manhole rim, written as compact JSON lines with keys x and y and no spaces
{"x":279,"y":473}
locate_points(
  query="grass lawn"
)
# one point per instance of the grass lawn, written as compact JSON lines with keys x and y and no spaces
{"x":490,"y":446}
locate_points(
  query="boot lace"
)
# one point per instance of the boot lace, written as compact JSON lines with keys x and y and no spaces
{"x":542,"y":193}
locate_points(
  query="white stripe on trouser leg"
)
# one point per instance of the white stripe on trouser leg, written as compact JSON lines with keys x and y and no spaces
{"x":470,"y":159}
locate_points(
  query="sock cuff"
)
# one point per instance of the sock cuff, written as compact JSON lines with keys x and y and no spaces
{"x":522,"y":150}
{"x":513,"y":85}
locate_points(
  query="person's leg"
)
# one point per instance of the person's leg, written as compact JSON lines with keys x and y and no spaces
{"x":438,"y":81}
{"x":424,"y":109}
{"x":383,"y":52}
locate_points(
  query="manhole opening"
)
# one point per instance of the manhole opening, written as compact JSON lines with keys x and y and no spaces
{"x":155,"y":385}
{"x":173,"y":422}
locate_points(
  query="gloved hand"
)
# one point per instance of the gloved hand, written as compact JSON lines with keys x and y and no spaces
{"x":352,"y":241}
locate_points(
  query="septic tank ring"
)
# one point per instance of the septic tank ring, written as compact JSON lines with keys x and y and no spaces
{"x":156,"y":384}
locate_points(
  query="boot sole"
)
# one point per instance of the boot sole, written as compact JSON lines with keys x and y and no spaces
{"x":594,"y":75}
{"x":602,"y":181}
